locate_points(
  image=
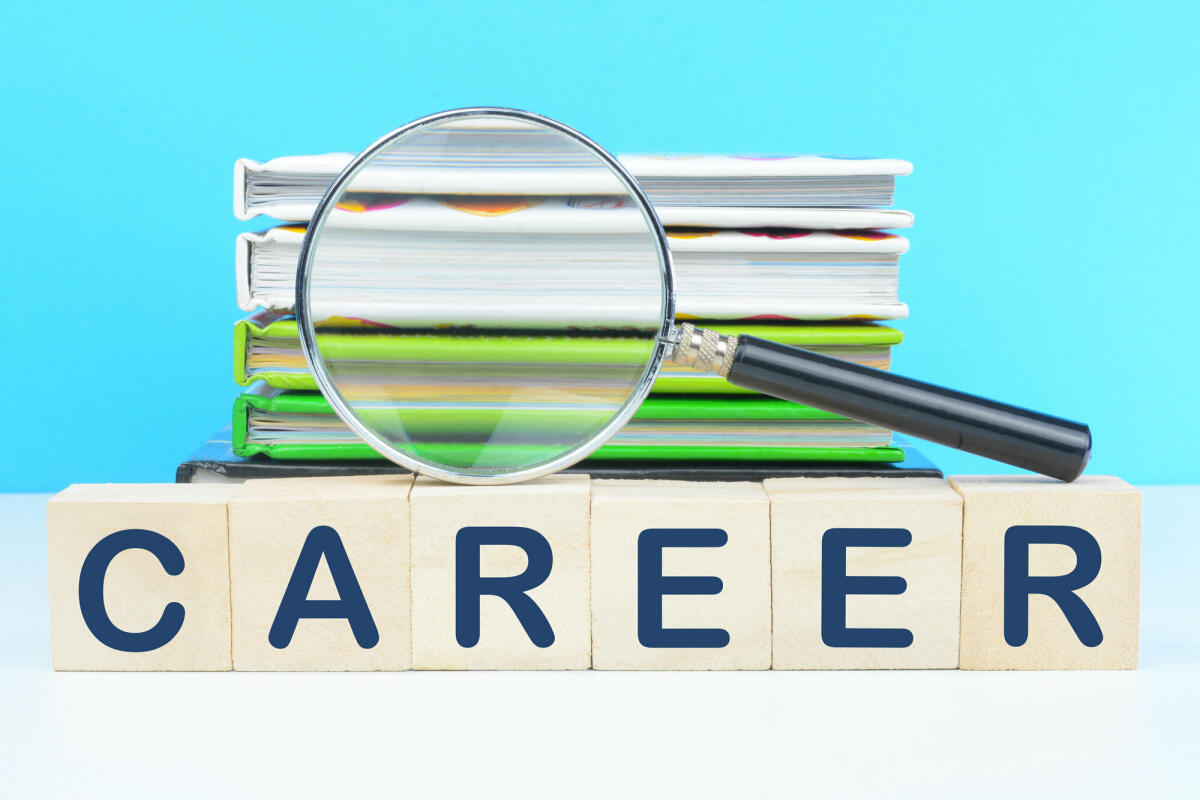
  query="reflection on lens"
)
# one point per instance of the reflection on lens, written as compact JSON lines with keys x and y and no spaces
{"x":524,"y":280}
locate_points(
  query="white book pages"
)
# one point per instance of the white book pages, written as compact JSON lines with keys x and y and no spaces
{"x":832,"y":219}
{"x":289,"y":187}
{"x":719,"y":275}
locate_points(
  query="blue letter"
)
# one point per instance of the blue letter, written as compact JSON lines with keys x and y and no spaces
{"x":470,"y":586}
{"x":1019,"y":584}
{"x":836,"y":584}
{"x":91,"y":590}
{"x":351,"y":605}
{"x":652,"y":585}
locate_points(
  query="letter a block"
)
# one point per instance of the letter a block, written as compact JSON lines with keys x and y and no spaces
{"x":1051,"y":572}
{"x":139,"y":577}
{"x":319,"y":570}
{"x":681,"y":575}
{"x":500,"y":575}
{"x":865,"y":573}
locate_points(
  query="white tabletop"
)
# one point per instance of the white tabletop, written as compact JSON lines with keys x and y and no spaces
{"x":815,"y":734}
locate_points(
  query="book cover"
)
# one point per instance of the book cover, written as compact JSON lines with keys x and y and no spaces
{"x":214,"y":461}
{"x":266,"y":347}
{"x":301,"y":425}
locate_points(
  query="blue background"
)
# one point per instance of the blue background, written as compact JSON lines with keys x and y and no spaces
{"x":1053,"y":261}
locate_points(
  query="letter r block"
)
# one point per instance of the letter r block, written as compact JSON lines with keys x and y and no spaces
{"x":364,"y":521}
{"x":156,"y":585}
{"x":681,"y":575}
{"x":865,"y":573}
{"x":1051,"y":572}
{"x":528,"y":606}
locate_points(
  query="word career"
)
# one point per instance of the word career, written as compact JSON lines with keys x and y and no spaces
{"x":388,"y":573}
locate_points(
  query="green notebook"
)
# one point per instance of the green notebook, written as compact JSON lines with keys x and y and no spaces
{"x":301,"y":425}
{"x":266,"y":347}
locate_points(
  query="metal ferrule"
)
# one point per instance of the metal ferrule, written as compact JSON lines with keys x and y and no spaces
{"x":704,"y":350}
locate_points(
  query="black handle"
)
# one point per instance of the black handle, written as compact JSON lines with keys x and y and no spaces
{"x":1049,"y":445}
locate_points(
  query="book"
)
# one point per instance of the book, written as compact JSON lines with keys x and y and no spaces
{"x":289,"y":187}
{"x":301,"y":425}
{"x":266,"y":347}
{"x":719,"y":274}
{"x":542,"y":271}
{"x":215,"y":462}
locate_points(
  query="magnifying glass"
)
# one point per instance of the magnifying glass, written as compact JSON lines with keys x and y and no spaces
{"x":505,"y":299}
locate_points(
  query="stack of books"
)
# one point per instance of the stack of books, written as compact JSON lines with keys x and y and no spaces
{"x":792,"y":249}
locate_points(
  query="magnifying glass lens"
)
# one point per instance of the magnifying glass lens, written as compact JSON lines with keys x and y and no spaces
{"x":484,"y":295}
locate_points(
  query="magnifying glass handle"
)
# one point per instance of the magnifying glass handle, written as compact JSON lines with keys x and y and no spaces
{"x":1052,"y":446}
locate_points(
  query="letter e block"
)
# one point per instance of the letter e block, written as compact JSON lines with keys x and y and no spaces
{"x":1051,"y":572}
{"x":139,"y":577}
{"x":865,"y":573}
{"x":681,"y":575}
{"x":319,"y":571}
{"x":500,"y":575}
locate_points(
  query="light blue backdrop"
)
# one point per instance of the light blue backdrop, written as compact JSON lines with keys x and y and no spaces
{"x":1053,"y":261}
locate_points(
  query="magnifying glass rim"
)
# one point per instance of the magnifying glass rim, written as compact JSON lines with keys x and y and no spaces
{"x":316,"y":363}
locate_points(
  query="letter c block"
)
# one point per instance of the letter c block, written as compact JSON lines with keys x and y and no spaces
{"x":139,"y":577}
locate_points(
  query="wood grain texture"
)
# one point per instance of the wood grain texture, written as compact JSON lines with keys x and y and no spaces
{"x":555,"y":507}
{"x":804,"y":510}
{"x":137,"y":589}
{"x":269,"y":522}
{"x":621,"y":511}
{"x":1110,"y":510}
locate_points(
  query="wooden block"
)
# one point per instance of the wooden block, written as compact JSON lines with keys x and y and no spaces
{"x":1081,"y":542}
{"x":865,"y":573}
{"x":304,"y":547}
{"x":712,"y":540}
{"x":483,"y":554}
{"x":139,"y":577}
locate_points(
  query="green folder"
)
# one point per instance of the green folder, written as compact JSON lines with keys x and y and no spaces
{"x":728,"y":428}
{"x":266,"y":347}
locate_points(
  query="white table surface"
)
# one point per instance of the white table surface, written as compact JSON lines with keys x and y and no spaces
{"x":812,"y":734}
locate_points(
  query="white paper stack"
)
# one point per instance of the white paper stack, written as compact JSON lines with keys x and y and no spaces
{"x":719,"y":274}
{"x":749,"y":191}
